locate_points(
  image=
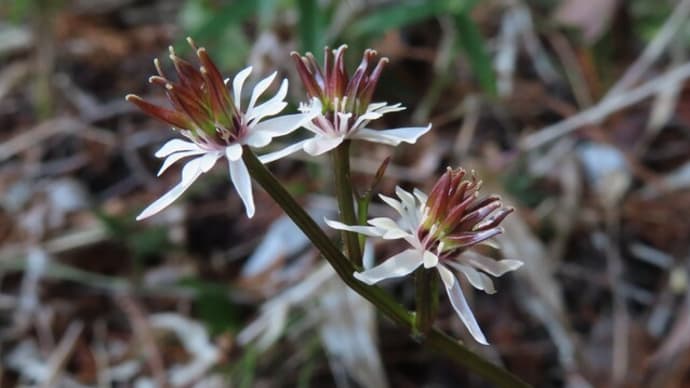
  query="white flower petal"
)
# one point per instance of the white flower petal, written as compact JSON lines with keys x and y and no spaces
{"x":384,"y":108}
{"x":392,"y":229}
{"x":237,"y":84}
{"x":271,"y":107}
{"x":258,"y":139}
{"x":243,"y":184}
{"x":492,"y":267}
{"x":477,"y":279}
{"x":259,"y":89}
{"x":365,"y":230}
{"x":391,"y":136}
{"x":318,"y":144}
{"x":366,"y":118}
{"x":208,"y":160}
{"x":378,"y":105}
{"x":281,"y":153}
{"x":406,"y":199}
{"x":410,"y":212}
{"x":430,"y":259}
{"x":489,"y":287}
{"x":398,"y":265}
{"x":170,"y":160}
{"x":190,"y":172}
{"x":175,"y":145}
{"x":421,"y":196}
{"x":457,"y":299}
{"x":392,"y":202}
{"x":282,"y":125}
{"x":233,"y":152}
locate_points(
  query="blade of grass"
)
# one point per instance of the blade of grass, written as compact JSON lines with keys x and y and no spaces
{"x":402,"y":14}
{"x":309,"y":25}
{"x":228,"y":15}
{"x":472,"y":43}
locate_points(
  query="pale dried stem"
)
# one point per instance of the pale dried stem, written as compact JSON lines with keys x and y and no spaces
{"x":606,"y":107}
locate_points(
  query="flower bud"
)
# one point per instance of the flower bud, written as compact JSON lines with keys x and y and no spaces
{"x":201,"y":103}
{"x":332,"y":85}
{"x":456,"y":217}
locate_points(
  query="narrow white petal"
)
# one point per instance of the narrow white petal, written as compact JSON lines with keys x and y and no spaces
{"x":342,"y":123}
{"x":208,"y":160}
{"x":237,"y":84}
{"x":164,"y":201}
{"x":258,"y":139}
{"x":409,"y":210}
{"x":243,"y":184}
{"x":392,"y":229}
{"x":370,"y":231}
{"x":271,"y":107}
{"x":489,"y":287}
{"x":477,"y":279}
{"x":281,"y":153}
{"x":259,"y":89}
{"x":492,"y":267}
{"x":396,"y":266}
{"x":430,"y":259}
{"x":318,"y":145}
{"x":170,"y":160}
{"x":233,"y":152}
{"x":392,"y":202}
{"x":190,"y":172}
{"x":175,"y":145}
{"x":421,"y":196}
{"x":459,"y":303}
{"x":384,"y":108}
{"x":282,"y":125}
{"x":376,"y":105}
{"x":391,"y":136}
{"x":371,"y":115}
{"x":365,"y":119}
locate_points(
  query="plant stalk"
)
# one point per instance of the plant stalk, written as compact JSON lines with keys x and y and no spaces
{"x":435,"y":340}
{"x":426,"y":288}
{"x":343,"y":193}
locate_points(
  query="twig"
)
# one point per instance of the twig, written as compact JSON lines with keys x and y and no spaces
{"x":59,"y":357}
{"x":604,"y":108}
{"x":654,"y":49}
{"x":142,"y":331}
{"x":46,"y":129}
{"x":573,"y":73}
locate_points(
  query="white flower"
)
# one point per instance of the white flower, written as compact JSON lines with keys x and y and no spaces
{"x":328,"y":134}
{"x":346,"y":102}
{"x":429,"y":248}
{"x":225,"y":139}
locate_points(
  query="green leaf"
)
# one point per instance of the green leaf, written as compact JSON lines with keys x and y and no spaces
{"x":143,"y":241}
{"x":213,"y":306}
{"x":406,"y":13}
{"x":309,"y":25}
{"x":248,"y":368}
{"x":210,"y":23}
{"x":472,"y":43}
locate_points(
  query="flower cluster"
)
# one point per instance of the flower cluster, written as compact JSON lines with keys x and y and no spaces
{"x":439,"y":229}
{"x":215,"y":123}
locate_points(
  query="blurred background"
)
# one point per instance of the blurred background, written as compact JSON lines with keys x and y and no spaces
{"x":575,"y":111}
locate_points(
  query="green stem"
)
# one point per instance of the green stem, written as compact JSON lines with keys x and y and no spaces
{"x":435,"y":340}
{"x":362,"y":214}
{"x":343,"y":192}
{"x":426,"y":287}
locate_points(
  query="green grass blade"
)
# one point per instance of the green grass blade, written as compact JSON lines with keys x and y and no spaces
{"x":472,"y":43}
